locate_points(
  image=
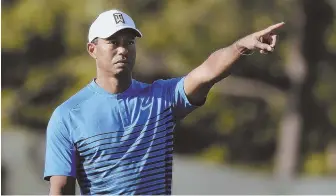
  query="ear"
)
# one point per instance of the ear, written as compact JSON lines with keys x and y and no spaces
{"x":91,"y":48}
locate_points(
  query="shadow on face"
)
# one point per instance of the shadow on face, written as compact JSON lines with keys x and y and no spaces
{"x":116,"y":54}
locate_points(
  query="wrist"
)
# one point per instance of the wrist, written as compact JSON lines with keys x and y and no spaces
{"x":241,"y":49}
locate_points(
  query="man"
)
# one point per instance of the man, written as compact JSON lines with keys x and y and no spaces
{"x":115,"y":136}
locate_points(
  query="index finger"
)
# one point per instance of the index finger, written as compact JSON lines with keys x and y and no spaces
{"x":270,"y":28}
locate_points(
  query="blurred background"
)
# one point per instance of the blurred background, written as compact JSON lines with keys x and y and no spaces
{"x":269,"y":128}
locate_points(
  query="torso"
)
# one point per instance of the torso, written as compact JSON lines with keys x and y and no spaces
{"x":124,"y":143}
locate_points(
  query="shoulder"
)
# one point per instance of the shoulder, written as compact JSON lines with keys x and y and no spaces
{"x":155,"y":86}
{"x":77,"y":99}
{"x":167,"y":83}
{"x":140,"y":85}
{"x":157,"y":83}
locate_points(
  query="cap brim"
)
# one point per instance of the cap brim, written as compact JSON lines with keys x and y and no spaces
{"x":136,"y":31}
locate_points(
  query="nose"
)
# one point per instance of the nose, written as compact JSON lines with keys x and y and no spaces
{"x":122,"y":50}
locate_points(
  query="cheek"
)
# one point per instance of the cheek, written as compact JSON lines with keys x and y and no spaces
{"x":106,"y":53}
{"x":132,"y":53}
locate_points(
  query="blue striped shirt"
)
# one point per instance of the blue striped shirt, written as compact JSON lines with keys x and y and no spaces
{"x":117,"y":143}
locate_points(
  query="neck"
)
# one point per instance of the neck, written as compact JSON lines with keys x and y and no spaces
{"x":114,"y":84}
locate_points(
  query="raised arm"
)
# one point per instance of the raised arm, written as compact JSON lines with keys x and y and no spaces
{"x":199,"y":81}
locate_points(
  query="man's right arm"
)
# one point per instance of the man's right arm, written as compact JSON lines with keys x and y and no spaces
{"x":215,"y":68}
{"x":62,"y":185}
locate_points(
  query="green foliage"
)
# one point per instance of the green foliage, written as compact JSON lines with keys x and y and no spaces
{"x":316,"y":164}
{"x":214,"y":153}
{"x":178,"y":36}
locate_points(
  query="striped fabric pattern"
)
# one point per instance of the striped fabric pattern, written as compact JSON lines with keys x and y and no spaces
{"x":117,"y":144}
{"x":139,"y":159}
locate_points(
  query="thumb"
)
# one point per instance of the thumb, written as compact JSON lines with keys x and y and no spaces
{"x":263,"y":46}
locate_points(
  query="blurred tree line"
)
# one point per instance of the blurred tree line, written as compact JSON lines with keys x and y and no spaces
{"x":275,"y":112}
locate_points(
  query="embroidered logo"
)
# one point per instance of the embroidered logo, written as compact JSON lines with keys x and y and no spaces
{"x":118,"y":18}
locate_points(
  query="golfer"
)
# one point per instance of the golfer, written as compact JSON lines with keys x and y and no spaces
{"x":115,"y":136}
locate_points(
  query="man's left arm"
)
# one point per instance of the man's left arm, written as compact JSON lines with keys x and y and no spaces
{"x":199,"y":81}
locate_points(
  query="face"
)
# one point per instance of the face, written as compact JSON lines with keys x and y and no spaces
{"x":115,"y":56}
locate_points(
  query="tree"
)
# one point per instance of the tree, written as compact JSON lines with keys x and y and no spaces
{"x":244,"y":119}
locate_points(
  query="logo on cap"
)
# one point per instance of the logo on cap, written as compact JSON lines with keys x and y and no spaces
{"x":118,"y":18}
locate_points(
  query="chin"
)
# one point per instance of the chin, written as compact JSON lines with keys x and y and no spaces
{"x":121,"y":72}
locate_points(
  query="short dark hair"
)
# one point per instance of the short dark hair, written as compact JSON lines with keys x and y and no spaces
{"x":95,"y":41}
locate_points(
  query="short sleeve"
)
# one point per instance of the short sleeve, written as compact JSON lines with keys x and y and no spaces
{"x":181,"y":105}
{"x":60,"y":158}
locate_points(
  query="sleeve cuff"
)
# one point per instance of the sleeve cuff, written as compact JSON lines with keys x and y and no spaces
{"x":47,"y":177}
{"x":184,"y":95}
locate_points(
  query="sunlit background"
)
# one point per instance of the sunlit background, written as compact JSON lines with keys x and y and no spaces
{"x":269,"y":128}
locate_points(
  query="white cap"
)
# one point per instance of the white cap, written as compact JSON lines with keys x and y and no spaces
{"x":110,"y":22}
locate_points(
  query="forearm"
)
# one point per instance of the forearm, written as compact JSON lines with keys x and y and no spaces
{"x":199,"y":81}
{"x":219,"y":63}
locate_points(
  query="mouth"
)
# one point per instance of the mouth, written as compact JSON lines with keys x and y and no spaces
{"x":122,"y":62}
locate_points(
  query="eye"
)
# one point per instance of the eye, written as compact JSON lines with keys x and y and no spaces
{"x":131,"y":42}
{"x":114,"y":42}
